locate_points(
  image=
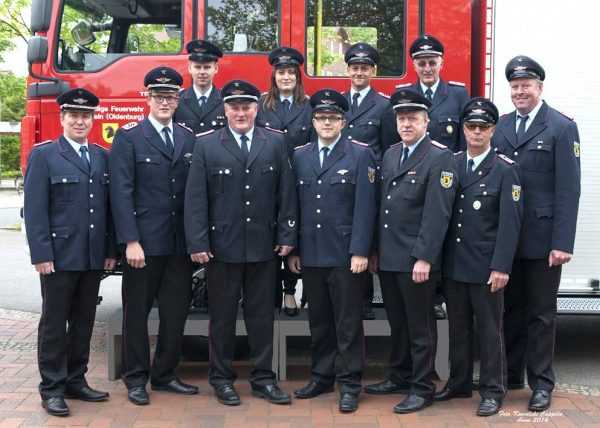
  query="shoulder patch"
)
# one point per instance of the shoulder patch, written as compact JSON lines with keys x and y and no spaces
{"x":359,"y":143}
{"x":274,"y":130}
{"x":302,"y":146}
{"x":458,"y":153}
{"x":384,"y":95}
{"x":184,"y":127}
{"x":202,"y":134}
{"x":41,"y":143}
{"x":455,"y":83}
{"x":506,"y":159}
{"x":394,"y":145}
{"x":403,"y":85}
{"x":129,"y":126}
{"x":100,"y":147}
{"x":438,"y":145}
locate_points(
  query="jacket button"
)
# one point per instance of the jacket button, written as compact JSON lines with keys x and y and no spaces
{"x":91,"y":210}
{"x":457,"y":239}
{"x":462,"y":196}
{"x":147,"y":159}
{"x":393,"y":183}
{"x":385,"y":225}
{"x":350,"y":126}
{"x":413,"y":181}
{"x":212,"y":228}
{"x":247,"y":187}
{"x":247,"y":171}
{"x":459,"y":225}
{"x":389,"y":197}
{"x":318,"y":196}
{"x":91,"y":226}
{"x":91,"y":181}
{"x":91,"y":195}
{"x":301,"y":182}
{"x":248,"y":220}
{"x":318,"y":226}
{"x":64,"y":180}
{"x":318,"y":211}
{"x":343,"y":181}
{"x":516,"y":153}
{"x":247,"y":202}
{"x":319,"y":182}
{"x":54,"y":235}
{"x":387,"y":211}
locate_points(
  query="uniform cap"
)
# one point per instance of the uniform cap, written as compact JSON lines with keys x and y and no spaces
{"x":329,"y":100}
{"x":480,"y":109}
{"x":523,"y":66}
{"x":285,"y":56}
{"x":203,"y":51}
{"x":78,"y":99}
{"x":361,"y":53}
{"x":163,"y":79}
{"x":239,"y":90}
{"x":426,"y":45}
{"x":408,"y":100}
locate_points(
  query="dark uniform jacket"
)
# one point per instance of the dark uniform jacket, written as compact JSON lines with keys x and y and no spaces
{"x":239,"y":211}
{"x":445,"y":113}
{"x":416,"y":205}
{"x":550,"y":174}
{"x":66,"y":211}
{"x":486,"y":220}
{"x":296,"y":124}
{"x":188,"y":113}
{"x":337,"y":203}
{"x":148,"y":187}
{"x":367,"y":124}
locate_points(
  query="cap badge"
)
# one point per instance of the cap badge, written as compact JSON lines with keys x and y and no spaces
{"x":163,"y":71}
{"x":520,"y":67}
{"x":360,"y":47}
{"x":519,"y":59}
{"x":200,"y":50}
{"x":426,"y":37}
{"x":79,"y":100}
{"x":404,"y":100}
{"x":163,"y":79}
{"x":361,"y":54}
{"x":237,"y":92}
{"x":236,"y":84}
{"x":327,"y":102}
{"x":479,"y":103}
{"x":426,"y":47}
{"x":285,"y":58}
{"x":478,"y":111}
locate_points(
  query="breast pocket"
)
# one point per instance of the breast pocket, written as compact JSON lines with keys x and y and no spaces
{"x":367,"y":130}
{"x":269,"y":172}
{"x":449,"y":126}
{"x":541,"y":157}
{"x":411,"y":187}
{"x":303,"y":188}
{"x":147,"y":166}
{"x":64,"y":188}
{"x":342,"y":188}
{"x":485,"y":201}
{"x":221,"y":180}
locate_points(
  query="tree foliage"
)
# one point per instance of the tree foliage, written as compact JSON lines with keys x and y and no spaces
{"x":13,"y":24}
{"x":12,"y":97}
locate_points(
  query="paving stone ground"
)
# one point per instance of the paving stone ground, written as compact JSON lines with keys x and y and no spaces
{"x":20,"y":402}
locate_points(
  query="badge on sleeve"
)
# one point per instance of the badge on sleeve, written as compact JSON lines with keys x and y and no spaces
{"x":516,"y":192}
{"x":576,"y":148}
{"x":371,"y":174}
{"x":446,"y":179}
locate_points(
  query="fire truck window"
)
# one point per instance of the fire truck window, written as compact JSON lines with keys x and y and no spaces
{"x":243,"y":25}
{"x":94,"y":33}
{"x":334,"y":25}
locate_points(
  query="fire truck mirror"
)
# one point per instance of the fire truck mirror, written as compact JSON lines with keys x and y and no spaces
{"x":83,"y":34}
{"x":133,"y":43}
{"x":37,"y":50}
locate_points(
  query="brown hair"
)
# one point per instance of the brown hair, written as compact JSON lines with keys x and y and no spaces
{"x":273,"y":94}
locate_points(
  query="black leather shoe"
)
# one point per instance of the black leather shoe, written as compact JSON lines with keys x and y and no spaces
{"x":540,"y":400}
{"x":439,"y":311}
{"x":448,"y":394}
{"x":413,"y":403}
{"x":176,"y":386}
{"x":272,"y":393}
{"x":138,"y":395}
{"x":348,"y":402}
{"x":226,"y":394}
{"x":388,"y":386}
{"x":511,"y":386}
{"x":289,"y":310}
{"x":56,"y":406}
{"x":488,"y":407}
{"x":313,"y":389}
{"x":86,"y":394}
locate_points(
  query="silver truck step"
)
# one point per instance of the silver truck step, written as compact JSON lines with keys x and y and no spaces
{"x":578,"y":305}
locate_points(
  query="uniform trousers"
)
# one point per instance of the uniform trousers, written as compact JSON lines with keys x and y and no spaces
{"x":168,"y":279}
{"x":69,"y":302}
{"x":465,"y":301}
{"x":530,"y":321}
{"x":409,"y":310}
{"x":335,"y":297}
{"x":227,"y":282}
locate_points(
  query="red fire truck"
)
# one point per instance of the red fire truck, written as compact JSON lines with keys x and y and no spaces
{"x":107,"y":46}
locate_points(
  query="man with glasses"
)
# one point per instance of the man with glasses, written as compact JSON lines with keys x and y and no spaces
{"x":478,"y":254}
{"x":149,"y":166}
{"x":336,"y":180}
{"x":201,"y":105}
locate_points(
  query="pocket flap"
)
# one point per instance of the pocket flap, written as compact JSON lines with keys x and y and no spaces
{"x":155,"y":159}
{"x":59,"y":232}
{"x":448,"y":118}
{"x":303,"y":181}
{"x":345,"y":229}
{"x":64,"y":179}
{"x":217,"y":227}
{"x":486,"y":247}
{"x":539,"y":147}
{"x":343,"y":179}
{"x":269,"y":168}
{"x":221,"y":170}
{"x":544,"y":212}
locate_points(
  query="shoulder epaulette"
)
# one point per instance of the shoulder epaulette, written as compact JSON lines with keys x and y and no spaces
{"x":394,"y":145}
{"x":359,"y":143}
{"x":505,"y":114}
{"x":565,"y":115}
{"x":384,"y":95}
{"x":41,"y":143}
{"x":403,"y":85}
{"x":455,"y":83}
{"x":458,"y":153}
{"x":439,"y":145}
{"x":506,"y":159}
{"x":184,"y":127}
{"x":129,"y":126}
{"x":263,"y":94}
{"x":202,"y":134}
{"x":100,"y":147}
{"x":302,"y":146}
{"x":274,"y":130}
{"x":182,"y":90}
{"x":307,"y":96}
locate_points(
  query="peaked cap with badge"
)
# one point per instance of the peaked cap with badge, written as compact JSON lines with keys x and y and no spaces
{"x":523,"y":66}
{"x":480,"y":109}
{"x":403,"y":100}
{"x":329,"y":100}
{"x":361,"y":53}
{"x":203,"y":51}
{"x":239,"y":90}
{"x":78,"y":99}
{"x":163,"y":79}
{"x":426,"y":45}
{"x":285,"y":56}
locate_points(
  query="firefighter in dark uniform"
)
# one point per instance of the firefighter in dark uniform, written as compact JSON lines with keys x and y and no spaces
{"x":201,"y":105}
{"x":286,"y":108}
{"x":417,"y":191}
{"x":71,"y":242}
{"x":240,"y":213}
{"x":149,"y":165}
{"x":546,"y":145}
{"x":335,"y":178}
{"x":478,"y":254}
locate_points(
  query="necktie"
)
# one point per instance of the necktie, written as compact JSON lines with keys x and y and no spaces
{"x":201,"y":101}
{"x":355,"y":98}
{"x":470,"y":165}
{"x":286,"y":106}
{"x":429,"y":94}
{"x":521,"y":130}
{"x":168,"y":141}
{"x":83,"y":153}
{"x":325,"y":151}
{"x":244,"y":139}
{"x":404,"y":155}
